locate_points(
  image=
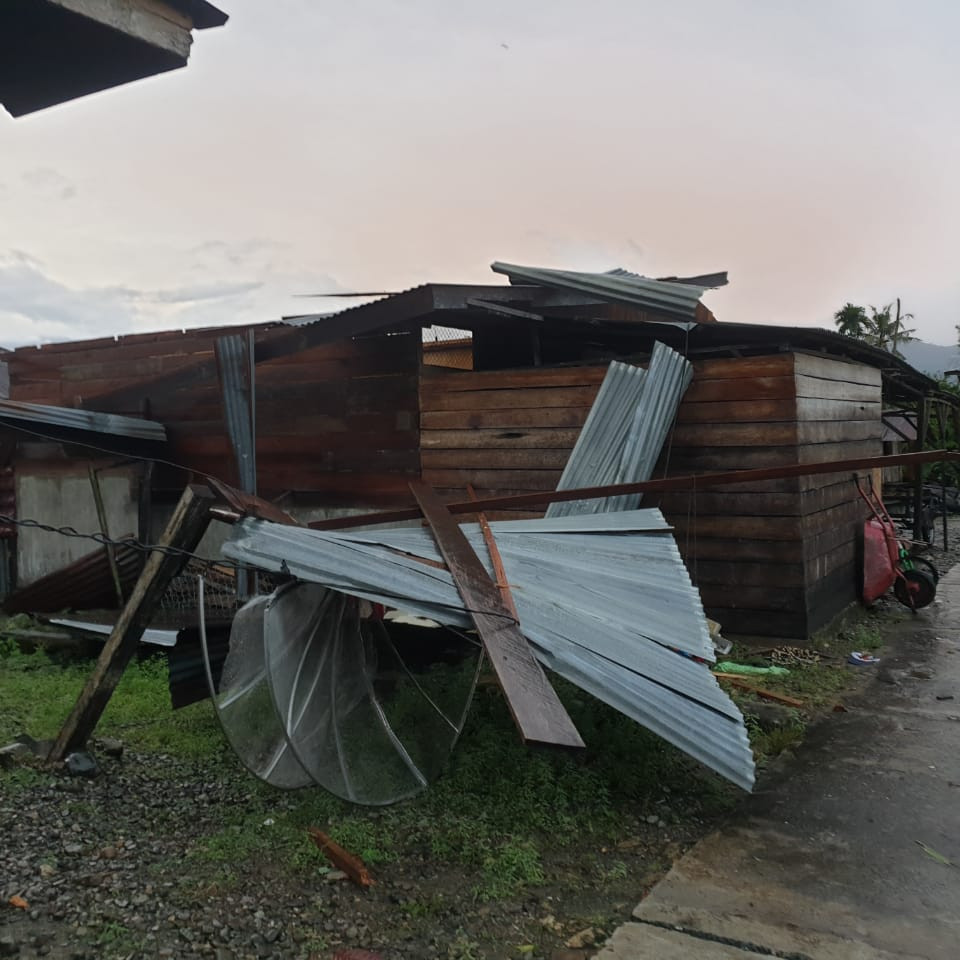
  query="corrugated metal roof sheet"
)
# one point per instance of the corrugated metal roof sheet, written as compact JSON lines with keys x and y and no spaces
{"x":675,"y":299}
{"x":85,"y":584}
{"x":17,"y":412}
{"x":235,"y":366}
{"x":605,"y":600}
{"x":625,"y":430}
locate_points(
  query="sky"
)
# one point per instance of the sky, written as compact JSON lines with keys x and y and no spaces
{"x":810,"y":148}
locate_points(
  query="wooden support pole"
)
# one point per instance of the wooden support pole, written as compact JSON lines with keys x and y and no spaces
{"x":105,"y":530}
{"x":534,"y":704}
{"x":183,"y":532}
{"x":923,"y":419}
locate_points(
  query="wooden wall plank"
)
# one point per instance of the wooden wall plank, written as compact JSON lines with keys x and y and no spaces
{"x":744,"y":367}
{"x":520,"y":480}
{"x":740,"y":388}
{"x":528,"y":438}
{"x":504,"y":418}
{"x":494,"y":459}
{"x":508,"y":399}
{"x":737,"y":411}
{"x":831,"y":368}
{"x":438,"y":381}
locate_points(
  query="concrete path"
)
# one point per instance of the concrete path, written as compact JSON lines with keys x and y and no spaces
{"x":825,"y":862}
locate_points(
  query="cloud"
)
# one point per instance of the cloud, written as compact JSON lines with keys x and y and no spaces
{"x":36,"y":307}
{"x":199,"y":292}
{"x":48,"y":181}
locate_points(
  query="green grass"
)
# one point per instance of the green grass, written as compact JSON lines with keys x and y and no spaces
{"x":497,"y":810}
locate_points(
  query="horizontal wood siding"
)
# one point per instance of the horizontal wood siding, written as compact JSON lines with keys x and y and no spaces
{"x":339,"y":422}
{"x":502,"y":431}
{"x":839,"y":417}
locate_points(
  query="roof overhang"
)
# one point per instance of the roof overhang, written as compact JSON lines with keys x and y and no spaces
{"x":57,"y":50}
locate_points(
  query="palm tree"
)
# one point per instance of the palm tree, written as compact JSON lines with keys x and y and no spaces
{"x":852,"y":321}
{"x":881,"y":328}
{"x":887,"y":331}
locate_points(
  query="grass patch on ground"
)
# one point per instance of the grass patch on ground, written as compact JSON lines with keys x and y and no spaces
{"x":38,"y":690}
{"x":498,"y":809}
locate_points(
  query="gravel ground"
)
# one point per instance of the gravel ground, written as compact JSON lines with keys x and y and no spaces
{"x":106,"y":867}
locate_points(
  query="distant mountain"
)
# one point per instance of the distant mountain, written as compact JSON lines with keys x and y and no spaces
{"x":931,"y":358}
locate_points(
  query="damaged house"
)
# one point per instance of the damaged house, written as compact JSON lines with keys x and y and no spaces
{"x":330,"y":415}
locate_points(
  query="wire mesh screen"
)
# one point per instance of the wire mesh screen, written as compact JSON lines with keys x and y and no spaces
{"x":448,"y":347}
{"x":220,"y":590}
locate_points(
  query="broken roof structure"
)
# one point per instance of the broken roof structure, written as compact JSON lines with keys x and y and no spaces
{"x":58,"y":50}
{"x":351,"y":406}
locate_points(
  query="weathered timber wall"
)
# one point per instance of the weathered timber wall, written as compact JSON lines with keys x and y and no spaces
{"x":339,"y":422}
{"x":774,"y":558}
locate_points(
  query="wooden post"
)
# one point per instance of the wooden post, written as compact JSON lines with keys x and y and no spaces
{"x":534,"y":704}
{"x":183,"y":532}
{"x":105,"y":530}
{"x":923,"y":416}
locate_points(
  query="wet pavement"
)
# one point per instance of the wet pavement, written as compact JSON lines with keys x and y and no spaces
{"x":840,"y":855}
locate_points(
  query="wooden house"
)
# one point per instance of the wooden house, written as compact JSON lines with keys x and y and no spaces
{"x":349,"y":408}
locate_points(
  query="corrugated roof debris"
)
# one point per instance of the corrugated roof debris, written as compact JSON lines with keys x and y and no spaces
{"x":85,"y":584}
{"x":17,"y":413}
{"x":677,"y":299}
{"x":625,"y":430}
{"x":604,"y":599}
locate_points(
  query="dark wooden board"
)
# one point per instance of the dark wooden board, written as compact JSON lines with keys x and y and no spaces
{"x":504,"y":418}
{"x":525,"y":438}
{"x":532,"y":378}
{"x":743,"y":367}
{"x":509,"y":399}
{"x":534,"y":704}
{"x":738,"y":411}
{"x":737,"y":389}
{"x":520,"y":480}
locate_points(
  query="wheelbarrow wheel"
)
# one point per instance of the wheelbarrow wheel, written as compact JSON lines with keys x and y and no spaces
{"x":921,"y":563}
{"x":915,"y":589}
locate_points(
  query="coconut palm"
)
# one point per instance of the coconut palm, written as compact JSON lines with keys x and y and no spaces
{"x":852,"y":321}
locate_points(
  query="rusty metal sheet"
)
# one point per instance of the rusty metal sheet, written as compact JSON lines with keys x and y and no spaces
{"x":250,"y":505}
{"x":85,"y":584}
{"x":534,"y":704}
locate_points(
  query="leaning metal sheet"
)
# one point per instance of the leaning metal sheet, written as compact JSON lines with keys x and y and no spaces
{"x":604,"y":599}
{"x":625,"y":430}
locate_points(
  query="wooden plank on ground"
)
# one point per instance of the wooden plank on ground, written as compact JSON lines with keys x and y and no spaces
{"x":183,"y":532}
{"x":536,"y":708}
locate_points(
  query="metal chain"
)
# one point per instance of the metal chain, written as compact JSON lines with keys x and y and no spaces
{"x":104,"y":540}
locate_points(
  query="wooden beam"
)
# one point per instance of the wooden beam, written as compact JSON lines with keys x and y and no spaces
{"x":147,"y":20}
{"x":530,"y":501}
{"x":183,"y":532}
{"x":105,"y":530}
{"x":534,"y":704}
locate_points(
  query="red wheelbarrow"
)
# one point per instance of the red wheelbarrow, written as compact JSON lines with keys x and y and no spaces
{"x":887,"y":562}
